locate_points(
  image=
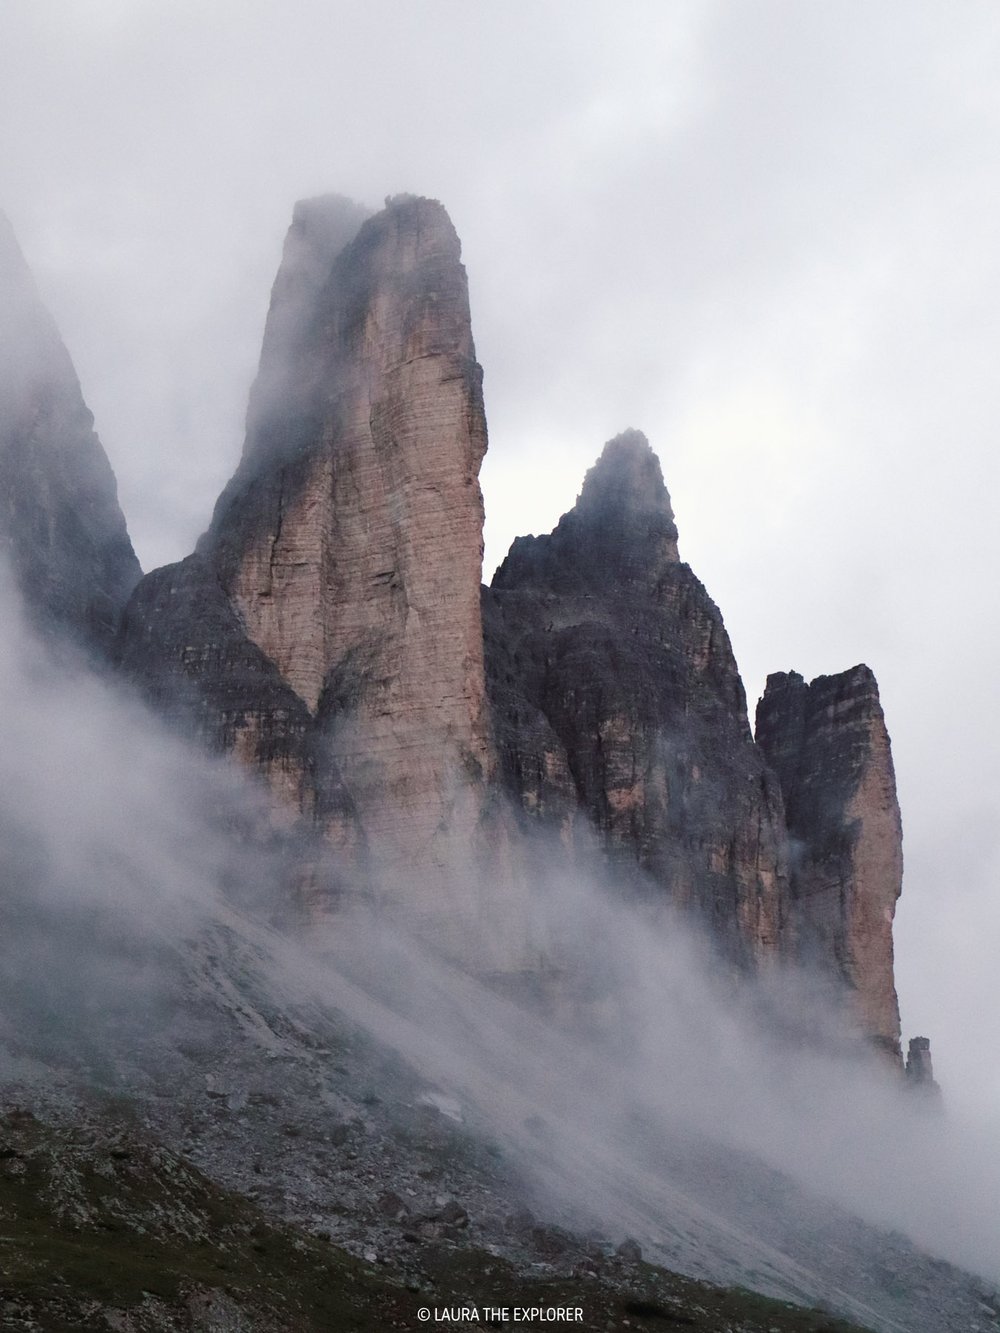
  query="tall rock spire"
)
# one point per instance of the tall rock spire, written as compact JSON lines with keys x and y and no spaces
{"x":348,"y":545}
{"x":354,"y":523}
{"x":827,"y":743}
{"x":60,"y":524}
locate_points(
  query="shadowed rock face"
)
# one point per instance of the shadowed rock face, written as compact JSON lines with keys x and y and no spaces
{"x":615,"y":692}
{"x":828,"y":744}
{"x":60,"y":524}
{"x":920,"y":1071}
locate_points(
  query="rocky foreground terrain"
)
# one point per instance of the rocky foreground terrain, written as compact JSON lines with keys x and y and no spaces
{"x":111,"y":1233}
{"x":263,"y":1162}
{"x":209,"y":1123}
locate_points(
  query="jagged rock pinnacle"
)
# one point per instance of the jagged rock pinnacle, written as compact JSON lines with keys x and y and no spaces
{"x":348,"y":546}
{"x":614,"y":689}
{"x":625,"y":486}
{"x":620,"y":532}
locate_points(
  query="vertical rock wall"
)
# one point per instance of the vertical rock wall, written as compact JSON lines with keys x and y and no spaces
{"x":347,"y":552}
{"x":350,"y":541}
{"x":827,"y":743}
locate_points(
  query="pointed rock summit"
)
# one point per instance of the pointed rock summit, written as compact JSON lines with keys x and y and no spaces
{"x":616,"y":696}
{"x":623,"y":497}
{"x":621,"y":530}
{"x":60,"y":525}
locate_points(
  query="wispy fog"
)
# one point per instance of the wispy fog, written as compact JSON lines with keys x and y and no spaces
{"x":115,"y":844}
{"x":650,"y":1050}
{"x":762,"y":232}
{"x":634,"y":1084}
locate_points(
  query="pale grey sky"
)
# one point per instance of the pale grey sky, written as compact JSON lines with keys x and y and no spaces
{"x":764,"y":233}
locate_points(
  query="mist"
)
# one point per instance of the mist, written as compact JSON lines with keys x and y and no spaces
{"x":653,"y":1057}
{"x":648,"y":1093}
{"x":762,"y":233}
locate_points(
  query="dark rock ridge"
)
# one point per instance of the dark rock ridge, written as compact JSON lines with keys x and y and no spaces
{"x":331,"y":632}
{"x":60,"y":525}
{"x":828,"y":744}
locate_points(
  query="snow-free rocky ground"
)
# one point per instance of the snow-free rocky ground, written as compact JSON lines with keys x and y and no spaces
{"x":246,"y":1159}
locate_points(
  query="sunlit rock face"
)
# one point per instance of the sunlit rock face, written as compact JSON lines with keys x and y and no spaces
{"x":615,"y":693}
{"x":828,"y":744}
{"x":344,"y":558}
{"x":60,"y":525}
{"x":350,"y":540}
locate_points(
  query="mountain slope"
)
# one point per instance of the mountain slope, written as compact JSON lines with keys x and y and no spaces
{"x":60,"y":524}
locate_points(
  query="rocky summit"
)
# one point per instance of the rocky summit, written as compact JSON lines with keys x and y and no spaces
{"x":617,"y":704}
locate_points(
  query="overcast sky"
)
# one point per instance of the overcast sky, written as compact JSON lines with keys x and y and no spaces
{"x":764,"y":233}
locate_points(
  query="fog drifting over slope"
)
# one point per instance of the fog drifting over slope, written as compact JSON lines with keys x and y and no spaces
{"x":763,"y":233}
{"x":123,"y":846}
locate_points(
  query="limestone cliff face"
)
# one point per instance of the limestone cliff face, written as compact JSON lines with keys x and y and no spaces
{"x":615,"y":692}
{"x":344,"y":558}
{"x":827,"y":743}
{"x":356,"y":563}
{"x":60,"y":525}
{"x":330,"y":632}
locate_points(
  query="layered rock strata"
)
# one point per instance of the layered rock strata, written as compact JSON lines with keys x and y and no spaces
{"x":61,"y":528}
{"x":827,"y":743}
{"x":328,"y":627}
{"x":615,"y":692}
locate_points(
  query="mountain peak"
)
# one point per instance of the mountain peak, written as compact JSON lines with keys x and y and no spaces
{"x":621,"y":529}
{"x":626,"y":485}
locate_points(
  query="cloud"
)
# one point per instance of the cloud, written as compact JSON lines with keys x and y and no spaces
{"x":645,"y":1094}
